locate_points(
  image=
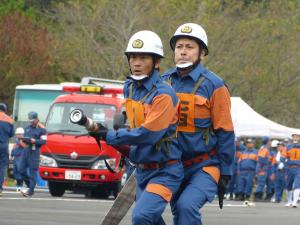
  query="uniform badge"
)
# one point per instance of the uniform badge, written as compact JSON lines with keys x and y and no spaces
{"x":138,"y":43}
{"x":186,"y":29}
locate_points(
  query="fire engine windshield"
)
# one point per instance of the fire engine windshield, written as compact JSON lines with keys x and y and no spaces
{"x":58,"y":118}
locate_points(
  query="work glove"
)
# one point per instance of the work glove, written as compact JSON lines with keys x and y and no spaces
{"x":222,"y":185}
{"x":100,"y":134}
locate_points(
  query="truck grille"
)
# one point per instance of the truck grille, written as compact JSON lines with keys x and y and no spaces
{"x":83,"y":161}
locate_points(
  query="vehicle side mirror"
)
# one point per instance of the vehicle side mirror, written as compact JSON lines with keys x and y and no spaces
{"x":119,"y":120}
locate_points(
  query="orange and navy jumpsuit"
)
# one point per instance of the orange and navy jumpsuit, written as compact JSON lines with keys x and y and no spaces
{"x":232,"y":185}
{"x":152,"y":110}
{"x":280,"y":173}
{"x":206,"y":137}
{"x":6,"y":132}
{"x":293,"y":167}
{"x":262,"y":169}
{"x":271,"y":174}
{"x":246,"y":169}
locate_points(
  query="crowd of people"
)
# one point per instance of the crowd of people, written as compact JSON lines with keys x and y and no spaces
{"x":267,"y":171}
{"x":25,"y":153}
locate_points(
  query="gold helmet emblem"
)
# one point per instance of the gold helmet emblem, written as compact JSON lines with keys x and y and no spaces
{"x":138,"y":43}
{"x":186,"y":29}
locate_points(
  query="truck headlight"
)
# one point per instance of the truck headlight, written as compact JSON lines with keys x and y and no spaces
{"x":47,"y":161}
{"x":100,"y":164}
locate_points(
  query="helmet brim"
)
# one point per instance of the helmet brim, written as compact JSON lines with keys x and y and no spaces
{"x":150,"y":53}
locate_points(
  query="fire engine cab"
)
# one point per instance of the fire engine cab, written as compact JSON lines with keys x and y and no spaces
{"x":71,"y":159}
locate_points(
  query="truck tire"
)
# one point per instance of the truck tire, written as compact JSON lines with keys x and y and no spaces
{"x":56,"y":189}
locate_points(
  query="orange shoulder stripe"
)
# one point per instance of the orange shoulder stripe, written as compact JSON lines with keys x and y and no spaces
{"x":220,"y":109}
{"x":238,"y":154}
{"x":249,"y":156}
{"x":6,"y":118}
{"x":161,"y":113}
{"x":253,"y":157}
{"x":263,"y":153}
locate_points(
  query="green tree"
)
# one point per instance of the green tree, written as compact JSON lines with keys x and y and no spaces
{"x":24,"y":54}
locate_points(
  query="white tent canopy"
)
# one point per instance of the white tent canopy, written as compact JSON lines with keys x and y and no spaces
{"x":247,"y":122}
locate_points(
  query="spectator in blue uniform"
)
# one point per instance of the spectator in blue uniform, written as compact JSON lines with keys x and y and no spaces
{"x":6,"y":132}
{"x":16,"y":155}
{"x":270,"y":189}
{"x":246,"y":170}
{"x":34,"y":137}
{"x":264,"y":156}
{"x":280,"y":171}
{"x":293,"y":171}
{"x":232,"y":185}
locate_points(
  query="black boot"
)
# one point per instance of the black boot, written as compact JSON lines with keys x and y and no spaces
{"x":247,"y":197}
{"x":237,"y":197}
{"x":242,"y":197}
{"x":268,"y":197}
{"x":258,"y":196}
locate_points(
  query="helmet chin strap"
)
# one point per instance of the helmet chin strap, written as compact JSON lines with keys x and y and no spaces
{"x":138,"y":77}
{"x":188,"y":66}
{"x":185,"y":65}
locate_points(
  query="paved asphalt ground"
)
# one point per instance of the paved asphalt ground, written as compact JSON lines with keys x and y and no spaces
{"x":42,"y":209}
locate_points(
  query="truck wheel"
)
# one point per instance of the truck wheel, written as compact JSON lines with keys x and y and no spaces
{"x":56,"y":189}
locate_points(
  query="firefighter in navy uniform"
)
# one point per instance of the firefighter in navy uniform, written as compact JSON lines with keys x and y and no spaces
{"x":280,"y":171}
{"x":34,"y":137}
{"x":6,"y":132}
{"x":246,"y":170}
{"x":205,"y":129}
{"x":264,"y":156}
{"x":232,"y":185}
{"x":152,"y":110}
{"x":293,"y":171}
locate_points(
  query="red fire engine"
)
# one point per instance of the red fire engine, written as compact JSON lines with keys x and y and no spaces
{"x":71,"y":159}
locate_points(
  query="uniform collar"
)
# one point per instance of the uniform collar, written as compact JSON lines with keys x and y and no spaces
{"x":152,"y":80}
{"x":196,"y":72}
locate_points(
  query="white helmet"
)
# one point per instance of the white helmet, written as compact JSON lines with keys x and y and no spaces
{"x":19,"y":130}
{"x":274,"y":143}
{"x":145,"y":41}
{"x":192,"y":30}
{"x":297,"y":132}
